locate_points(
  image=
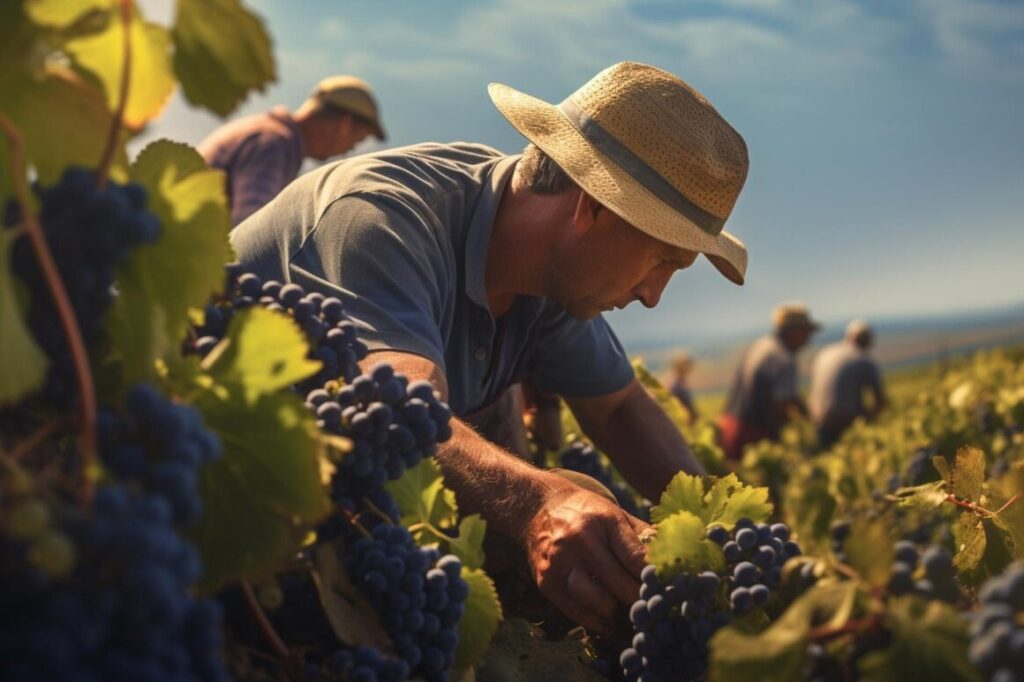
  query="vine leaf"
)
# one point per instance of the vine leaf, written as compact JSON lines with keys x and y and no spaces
{"x":352,"y":619}
{"x":869,"y":551}
{"x":22,"y":363}
{"x":264,"y":492}
{"x":928,"y":642}
{"x":924,"y":497}
{"x":1011,"y":519}
{"x":469,"y":544}
{"x":725,"y":502}
{"x":681,"y":544}
{"x":778,"y":653}
{"x":971,"y":539}
{"x":262,"y":353}
{"x":151,"y":79}
{"x":684,"y":493}
{"x":422,"y":498}
{"x":480,"y":620}
{"x":62,"y":13}
{"x":968,"y":474}
{"x":161,"y":282}
{"x":216,"y":73}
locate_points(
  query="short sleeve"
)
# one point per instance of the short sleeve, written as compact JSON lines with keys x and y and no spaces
{"x":385,"y":263}
{"x":577,"y":358}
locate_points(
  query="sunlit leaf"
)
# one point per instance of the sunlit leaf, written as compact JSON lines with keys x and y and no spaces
{"x":968,"y":474}
{"x":684,"y":493}
{"x":480,"y":620}
{"x":681,"y":544}
{"x":62,"y":13}
{"x":22,"y":363}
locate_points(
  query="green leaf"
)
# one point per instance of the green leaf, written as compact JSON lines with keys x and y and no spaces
{"x":778,"y":654}
{"x":1010,"y":490}
{"x":161,"y":282}
{"x":53,"y":142}
{"x":216,"y":73}
{"x":971,"y":540}
{"x":263,"y":352}
{"x":968,"y":474}
{"x":681,"y":544}
{"x":62,"y":13}
{"x":22,"y":363}
{"x":469,"y":544}
{"x":869,"y":550}
{"x":928,"y":643}
{"x":352,"y":619}
{"x":264,"y":493}
{"x":729,"y":501}
{"x":151,"y":79}
{"x":684,"y":493}
{"x":422,"y":497}
{"x":924,"y":497}
{"x":480,"y":620}
{"x":942,"y":466}
{"x":520,"y":652}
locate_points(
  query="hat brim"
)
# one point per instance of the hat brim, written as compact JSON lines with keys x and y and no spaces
{"x":546,"y":126}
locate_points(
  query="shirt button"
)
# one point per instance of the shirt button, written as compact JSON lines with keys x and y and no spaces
{"x":480,"y":354}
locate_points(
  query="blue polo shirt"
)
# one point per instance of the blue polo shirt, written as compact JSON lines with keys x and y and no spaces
{"x":401,"y":237}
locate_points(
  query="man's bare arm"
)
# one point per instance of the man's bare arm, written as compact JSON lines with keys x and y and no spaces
{"x":638,"y":436}
{"x":584,"y":551}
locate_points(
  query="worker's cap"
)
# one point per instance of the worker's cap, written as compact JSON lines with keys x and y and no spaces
{"x":858,"y":328}
{"x":793,"y":315}
{"x":351,"y":94}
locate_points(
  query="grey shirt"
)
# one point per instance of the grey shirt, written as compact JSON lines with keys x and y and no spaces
{"x":840,"y":373}
{"x":767,"y":375}
{"x":401,"y":237}
{"x":260,"y":154}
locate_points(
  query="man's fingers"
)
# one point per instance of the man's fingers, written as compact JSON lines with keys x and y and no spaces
{"x":627,"y":547}
{"x":614,"y":575}
{"x":585,"y":601}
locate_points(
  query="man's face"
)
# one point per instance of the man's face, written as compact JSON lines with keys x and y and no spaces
{"x":350,"y":131}
{"x":605,"y":263}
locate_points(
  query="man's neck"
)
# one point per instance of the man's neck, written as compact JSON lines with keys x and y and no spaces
{"x":525,"y":229}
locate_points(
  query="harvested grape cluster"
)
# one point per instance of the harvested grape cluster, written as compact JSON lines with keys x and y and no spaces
{"x":331,"y":335}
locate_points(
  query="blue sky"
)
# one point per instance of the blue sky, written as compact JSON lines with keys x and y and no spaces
{"x":886,"y":137}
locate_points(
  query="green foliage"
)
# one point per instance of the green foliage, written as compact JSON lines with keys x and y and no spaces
{"x":680,"y":545}
{"x":351,"y":618}
{"x":215,"y":73}
{"x":725,"y":502}
{"x":480,"y":621}
{"x":22,"y":364}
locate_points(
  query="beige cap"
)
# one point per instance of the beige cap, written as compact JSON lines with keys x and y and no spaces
{"x":793,"y":315}
{"x":650,"y":148}
{"x":857,"y":328}
{"x":351,"y":94}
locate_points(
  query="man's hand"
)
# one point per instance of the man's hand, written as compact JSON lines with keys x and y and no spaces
{"x":586,"y":556}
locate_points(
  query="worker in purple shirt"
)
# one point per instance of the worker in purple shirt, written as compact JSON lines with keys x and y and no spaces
{"x":262,"y":154}
{"x":840,"y":375}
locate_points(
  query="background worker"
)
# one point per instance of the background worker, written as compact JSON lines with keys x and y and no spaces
{"x":474,"y":269}
{"x":840,"y":375}
{"x":764,"y":390}
{"x":680,"y":366}
{"x":262,"y":153}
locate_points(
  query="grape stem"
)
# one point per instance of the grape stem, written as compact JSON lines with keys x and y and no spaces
{"x":978,"y":509}
{"x":79,"y":357}
{"x":103,"y":170}
{"x":829,"y":631}
{"x":35,"y":438}
{"x":377,"y":510}
{"x":266,"y":627}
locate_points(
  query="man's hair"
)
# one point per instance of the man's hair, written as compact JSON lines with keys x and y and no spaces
{"x":332,"y":112}
{"x":541,"y":174}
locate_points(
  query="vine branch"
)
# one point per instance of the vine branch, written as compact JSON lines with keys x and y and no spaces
{"x":35,"y":438}
{"x":266,"y":627}
{"x":76,"y":346}
{"x":103,"y":171}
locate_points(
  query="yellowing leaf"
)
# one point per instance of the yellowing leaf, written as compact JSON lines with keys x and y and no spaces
{"x":62,"y":13}
{"x":681,"y":544}
{"x":968,"y":474}
{"x":151,"y":79}
{"x":263,"y":352}
{"x":729,"y":501}
{"x":684,"y":493}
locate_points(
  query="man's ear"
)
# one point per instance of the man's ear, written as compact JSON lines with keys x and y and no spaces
{"x":585,"y":214}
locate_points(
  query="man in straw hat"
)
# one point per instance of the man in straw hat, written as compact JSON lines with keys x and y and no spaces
{"x":764,"y":389}
{"x":840,"y":375}
{"x":474,"y":270}
{"x":680,"y":367}
{"x":261,"y":154}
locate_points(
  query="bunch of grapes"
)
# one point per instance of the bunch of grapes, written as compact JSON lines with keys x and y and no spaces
{"x":418,"y":595}
{"x":754,"y":556}
{"x":363,"y":663}
{"x":996,"y":631}
{"x":583,"y":458}
{"x":937,"y":577}
{"x":160,"y":446}
{"x":672,"y":622}
{"x":392,"y":424}
{"x":106,"y":596}
{"x":331,"y":335}
{"x":90,"y":232}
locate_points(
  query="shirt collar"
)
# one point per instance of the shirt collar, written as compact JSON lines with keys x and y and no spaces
{"x":481,"y":224}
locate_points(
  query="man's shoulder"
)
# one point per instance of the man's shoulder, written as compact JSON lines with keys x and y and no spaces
{"x":268,"y":126}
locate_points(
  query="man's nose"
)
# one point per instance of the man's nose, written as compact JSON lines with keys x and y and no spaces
{"x":650,"y":289}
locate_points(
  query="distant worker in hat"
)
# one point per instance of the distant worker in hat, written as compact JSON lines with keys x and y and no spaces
{"x":262,"y":153}
{"x":764,"y":391}
{"x":678,"y":385}
{"x":841,"y":374}
{"x":474,"y":269}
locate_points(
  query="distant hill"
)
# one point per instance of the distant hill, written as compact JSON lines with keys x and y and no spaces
{"x":901,"y":342}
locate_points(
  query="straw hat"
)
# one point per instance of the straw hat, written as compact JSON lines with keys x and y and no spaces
{"x":859,"y":331}
{"x":351,"y":94}
{"x":650,"y":148}
{"x":793,"y":315}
